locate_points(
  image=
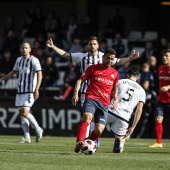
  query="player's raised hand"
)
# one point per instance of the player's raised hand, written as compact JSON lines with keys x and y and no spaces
{"x":135,"y":55}
{"x":50,"y":43}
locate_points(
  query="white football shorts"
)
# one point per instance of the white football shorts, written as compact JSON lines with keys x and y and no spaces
{"x":117,"y":125}
{"x":24,"y":100}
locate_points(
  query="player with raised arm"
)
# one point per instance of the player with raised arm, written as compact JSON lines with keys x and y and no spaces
{"x":92,"y":57}
{"x":29,"y":75}
{"x":130,"y":96}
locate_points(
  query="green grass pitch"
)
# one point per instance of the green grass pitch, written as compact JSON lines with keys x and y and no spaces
{"x":57,"y":153}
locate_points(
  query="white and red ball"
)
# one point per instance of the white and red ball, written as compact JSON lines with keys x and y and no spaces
{"x":89,"y":147}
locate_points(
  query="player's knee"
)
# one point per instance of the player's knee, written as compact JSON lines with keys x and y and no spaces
{"x":158,"y":119}
{"x":118,"y":146}
{"x":23,"y":112}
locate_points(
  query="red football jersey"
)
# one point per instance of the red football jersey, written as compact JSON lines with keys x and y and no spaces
{"x":164,"y":80}
{"x":101,"y":82}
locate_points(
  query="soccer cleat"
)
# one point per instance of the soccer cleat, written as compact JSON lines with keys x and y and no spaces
{"x":79,"y":145}
{"x":97,"y":142}
{"x":39,"y":135}
{"x":25,"y":140}
{"x":156,"y":145}
{"x":117,"y":146}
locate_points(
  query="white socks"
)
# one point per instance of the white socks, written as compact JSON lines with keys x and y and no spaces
{"x":90,"y":128}
{"x":32,"y":120}
{"x":25,"y":126}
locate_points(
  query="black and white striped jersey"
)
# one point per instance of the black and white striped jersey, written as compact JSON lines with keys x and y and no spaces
{"x":85,"y":60}
{"x":27,"y":73}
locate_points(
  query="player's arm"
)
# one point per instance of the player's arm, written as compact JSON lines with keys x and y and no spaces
{"x":138,"y":113}
{"x":59,"y":51}
{"x":37,"y":87}
{"x":9,"y":75}
{"x":122,"y":61}
{"x":165,"y":88}
{"x":114,"y":96}
{"x":75,"y":97}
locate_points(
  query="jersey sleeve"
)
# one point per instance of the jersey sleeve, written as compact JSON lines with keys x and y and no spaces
{"x":143,"y":96}
{"x":77,"y":57}
{"x":15,"y":68}
{"x":37,"y":65}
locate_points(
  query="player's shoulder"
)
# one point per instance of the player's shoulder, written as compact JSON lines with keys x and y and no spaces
{"x":101,"y":53}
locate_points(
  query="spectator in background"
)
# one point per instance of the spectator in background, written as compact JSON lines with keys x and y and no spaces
{"x":36,"y":46}
{"x":52,"y":22}
{"x":154,"y":70}
{"x":70,"y":79}
{"x":36,"y":23}
{"x":120,"y":45}
{"x":11,"y":43}
{"x":162,"y":44}
{"x":103,"y":45}
{"x":148,"y":109}
{"x":70,"y":30}
{"x":76,"y":45}
{"x":41,"y":37}
{"x":87,"y":29}
{"x":149,"y":50}
{"x":146,"y":74}
{"x":115,"y":23}
{"x":7,"y":63}
{"x":41,"y":55}
{"x":9,"y":24}
{"x":50,"y":72}
{"x":123,"y":70}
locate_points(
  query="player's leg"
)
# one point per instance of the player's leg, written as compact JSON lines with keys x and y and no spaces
{"x":88,"y":112}
{"x":119,"y":127}
{"x":118,"y":144}
{"x":158,"y":132}
{"x":25,"y":112}
{"x":91,"y":128}
{"x":100,"y":119}
{"x":19,"y":102}
{"x":25,"y":126}
{"x":159,"y":114}
{"x":82,"y":129}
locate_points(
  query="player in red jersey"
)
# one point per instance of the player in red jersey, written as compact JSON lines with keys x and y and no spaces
{"x":163,"y":103}
{"x":103,"y":82}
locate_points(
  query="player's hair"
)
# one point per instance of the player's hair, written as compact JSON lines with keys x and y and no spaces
{"x":165,"y":51}
{"x":110,"y":51}
{"x":133,"y":71}
{"x":93,"y":38}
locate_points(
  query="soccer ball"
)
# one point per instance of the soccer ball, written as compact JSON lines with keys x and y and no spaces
{"x":89,"y":147}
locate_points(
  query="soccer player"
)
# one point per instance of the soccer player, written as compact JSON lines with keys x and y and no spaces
{"x":130,"y":96}
{"x":92,"y":57}
{"x":163,"y":103}
{"x":28,"y":70}
{"x":103,"y":82}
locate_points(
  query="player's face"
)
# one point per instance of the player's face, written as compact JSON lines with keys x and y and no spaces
{"x":25,"y":49}
{"x":108,"y":60}
{"x":166,"y":59}
{"x":93,"y":46}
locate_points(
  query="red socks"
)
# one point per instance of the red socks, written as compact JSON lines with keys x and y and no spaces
{"x":82,"y":128}
{"x":93,"y":136}
{"x":158,"y":132}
